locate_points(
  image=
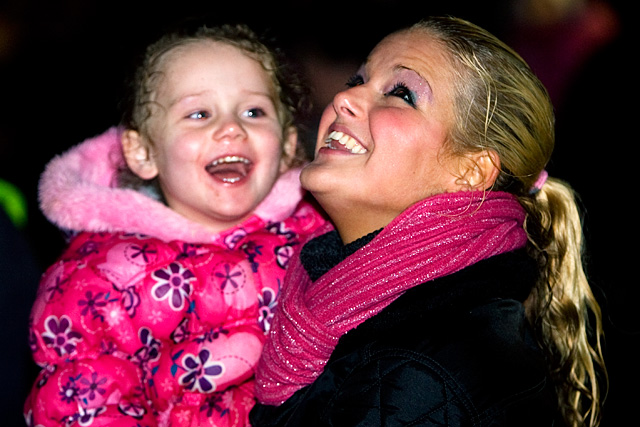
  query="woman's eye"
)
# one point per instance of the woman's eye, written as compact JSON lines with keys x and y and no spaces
{"x":255,"y":112}
{"x":403,"y":92}
{"x":199,"y":115}
{"x":355,"y":80}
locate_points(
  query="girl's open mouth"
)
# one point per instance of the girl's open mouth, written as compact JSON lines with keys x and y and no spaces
{"x":230,"y":169}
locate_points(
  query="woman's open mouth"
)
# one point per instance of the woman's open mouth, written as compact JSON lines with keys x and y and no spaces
{"x":342,"y":141}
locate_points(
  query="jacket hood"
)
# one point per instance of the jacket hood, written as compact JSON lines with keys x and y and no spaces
{"x":77,"y":192}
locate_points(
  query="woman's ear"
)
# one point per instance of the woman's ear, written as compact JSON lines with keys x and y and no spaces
{"x":479,"y":171}
{"x":289,"y":148}
{"x":137,"y":156}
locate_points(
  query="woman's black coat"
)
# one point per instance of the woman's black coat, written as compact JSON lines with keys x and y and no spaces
{"x":456,"y":351}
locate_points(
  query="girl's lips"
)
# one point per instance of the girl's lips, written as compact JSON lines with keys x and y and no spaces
{"x":230,"y":169}
{"x":338,"y":140}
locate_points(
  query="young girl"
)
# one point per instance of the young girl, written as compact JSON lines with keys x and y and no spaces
{"x":183,"y":221}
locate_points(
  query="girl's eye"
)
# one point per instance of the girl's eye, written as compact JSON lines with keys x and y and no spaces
{"x":403,"y":92}
{"x":255,"y":112}
{"x":355,"y":80}
{"x":199,"y":115}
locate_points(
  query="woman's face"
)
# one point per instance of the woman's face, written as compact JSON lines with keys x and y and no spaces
{"x":380,"y":143}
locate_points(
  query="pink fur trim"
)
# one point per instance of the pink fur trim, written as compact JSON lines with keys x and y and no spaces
{"x":283,"y":198}
{"x":76,"y":193}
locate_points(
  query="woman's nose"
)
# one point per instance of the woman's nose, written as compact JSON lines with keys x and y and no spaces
{"x":349,"y":103}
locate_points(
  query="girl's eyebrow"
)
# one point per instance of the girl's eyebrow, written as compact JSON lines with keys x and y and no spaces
{"x":184,"y":99}
{"x":192,"y":96}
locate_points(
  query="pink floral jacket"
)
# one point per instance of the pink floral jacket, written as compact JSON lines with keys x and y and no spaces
{"x":147,"y":318}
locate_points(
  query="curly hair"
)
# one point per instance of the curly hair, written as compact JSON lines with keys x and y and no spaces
{"x":291,"y":95}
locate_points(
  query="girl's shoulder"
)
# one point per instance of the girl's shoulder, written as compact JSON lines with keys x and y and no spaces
{"x":306,"y":218}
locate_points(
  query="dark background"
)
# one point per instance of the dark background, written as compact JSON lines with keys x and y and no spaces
{"x":63,"y":63}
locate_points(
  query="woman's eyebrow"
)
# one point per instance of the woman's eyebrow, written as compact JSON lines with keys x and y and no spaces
{"x":419,"y":83}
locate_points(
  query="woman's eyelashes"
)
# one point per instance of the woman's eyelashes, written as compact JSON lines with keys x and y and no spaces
{"x":399,"y":89}
{"x":403,"y":92}
{"x":355,"y":80}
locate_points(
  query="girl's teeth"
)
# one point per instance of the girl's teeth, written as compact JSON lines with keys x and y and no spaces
{"x":231,"y":159}
{"x":351,"y":144}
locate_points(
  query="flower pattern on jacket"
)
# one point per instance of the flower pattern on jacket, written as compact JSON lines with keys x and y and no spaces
{"x":200,"y":372}
{"x":59,"y":335}
{"x":267,"y":305}
{"x":173,"y":284}
{"x":131,"y":330}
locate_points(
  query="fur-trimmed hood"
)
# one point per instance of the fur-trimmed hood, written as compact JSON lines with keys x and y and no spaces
{"x":77,"y":192}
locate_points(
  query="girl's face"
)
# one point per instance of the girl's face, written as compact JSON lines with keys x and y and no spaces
{"x":380,"y":143}
{"x":217,"y":144}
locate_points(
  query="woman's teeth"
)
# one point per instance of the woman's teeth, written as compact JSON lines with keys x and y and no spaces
{"x":346,"y":141}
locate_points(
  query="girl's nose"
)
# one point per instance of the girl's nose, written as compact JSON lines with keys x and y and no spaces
{"x":229,"y":129}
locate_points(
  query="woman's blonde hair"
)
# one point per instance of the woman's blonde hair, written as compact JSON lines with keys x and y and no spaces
{"x":501,"y":106}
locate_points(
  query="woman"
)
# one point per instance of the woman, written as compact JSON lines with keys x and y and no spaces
{"x":451,"y":291}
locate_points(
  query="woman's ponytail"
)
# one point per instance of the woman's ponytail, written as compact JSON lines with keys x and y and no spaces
{"x":562,"y":308}
{"x":502,"y":107}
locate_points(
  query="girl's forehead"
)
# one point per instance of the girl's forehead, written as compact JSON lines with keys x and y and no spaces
{"x":199,"y":47}
{"x":207,"y":56}
{"x":212,"y":69}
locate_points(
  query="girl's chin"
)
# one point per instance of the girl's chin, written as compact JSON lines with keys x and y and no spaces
{"x":226,"y":212}
{"x":222,"y":222}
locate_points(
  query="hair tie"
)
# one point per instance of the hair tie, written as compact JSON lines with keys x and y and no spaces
{"x":542,"y":178}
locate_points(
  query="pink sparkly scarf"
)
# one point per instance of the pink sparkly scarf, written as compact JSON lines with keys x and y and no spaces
{"x":434,"y":238}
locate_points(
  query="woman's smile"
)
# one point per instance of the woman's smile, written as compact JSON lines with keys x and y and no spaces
{"x":384,"y":132}
{"x":341,"y":141}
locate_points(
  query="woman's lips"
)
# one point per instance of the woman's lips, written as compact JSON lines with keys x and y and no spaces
{"x":341,"y":141}
{"x":230,"y":169}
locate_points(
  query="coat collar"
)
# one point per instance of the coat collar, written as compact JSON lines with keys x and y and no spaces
{"x":511,"y":275}
{"x":77,"y":193}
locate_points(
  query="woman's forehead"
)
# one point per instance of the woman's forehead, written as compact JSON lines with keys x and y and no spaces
{"x":411,"y":49}
{"x":419,"y":52}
